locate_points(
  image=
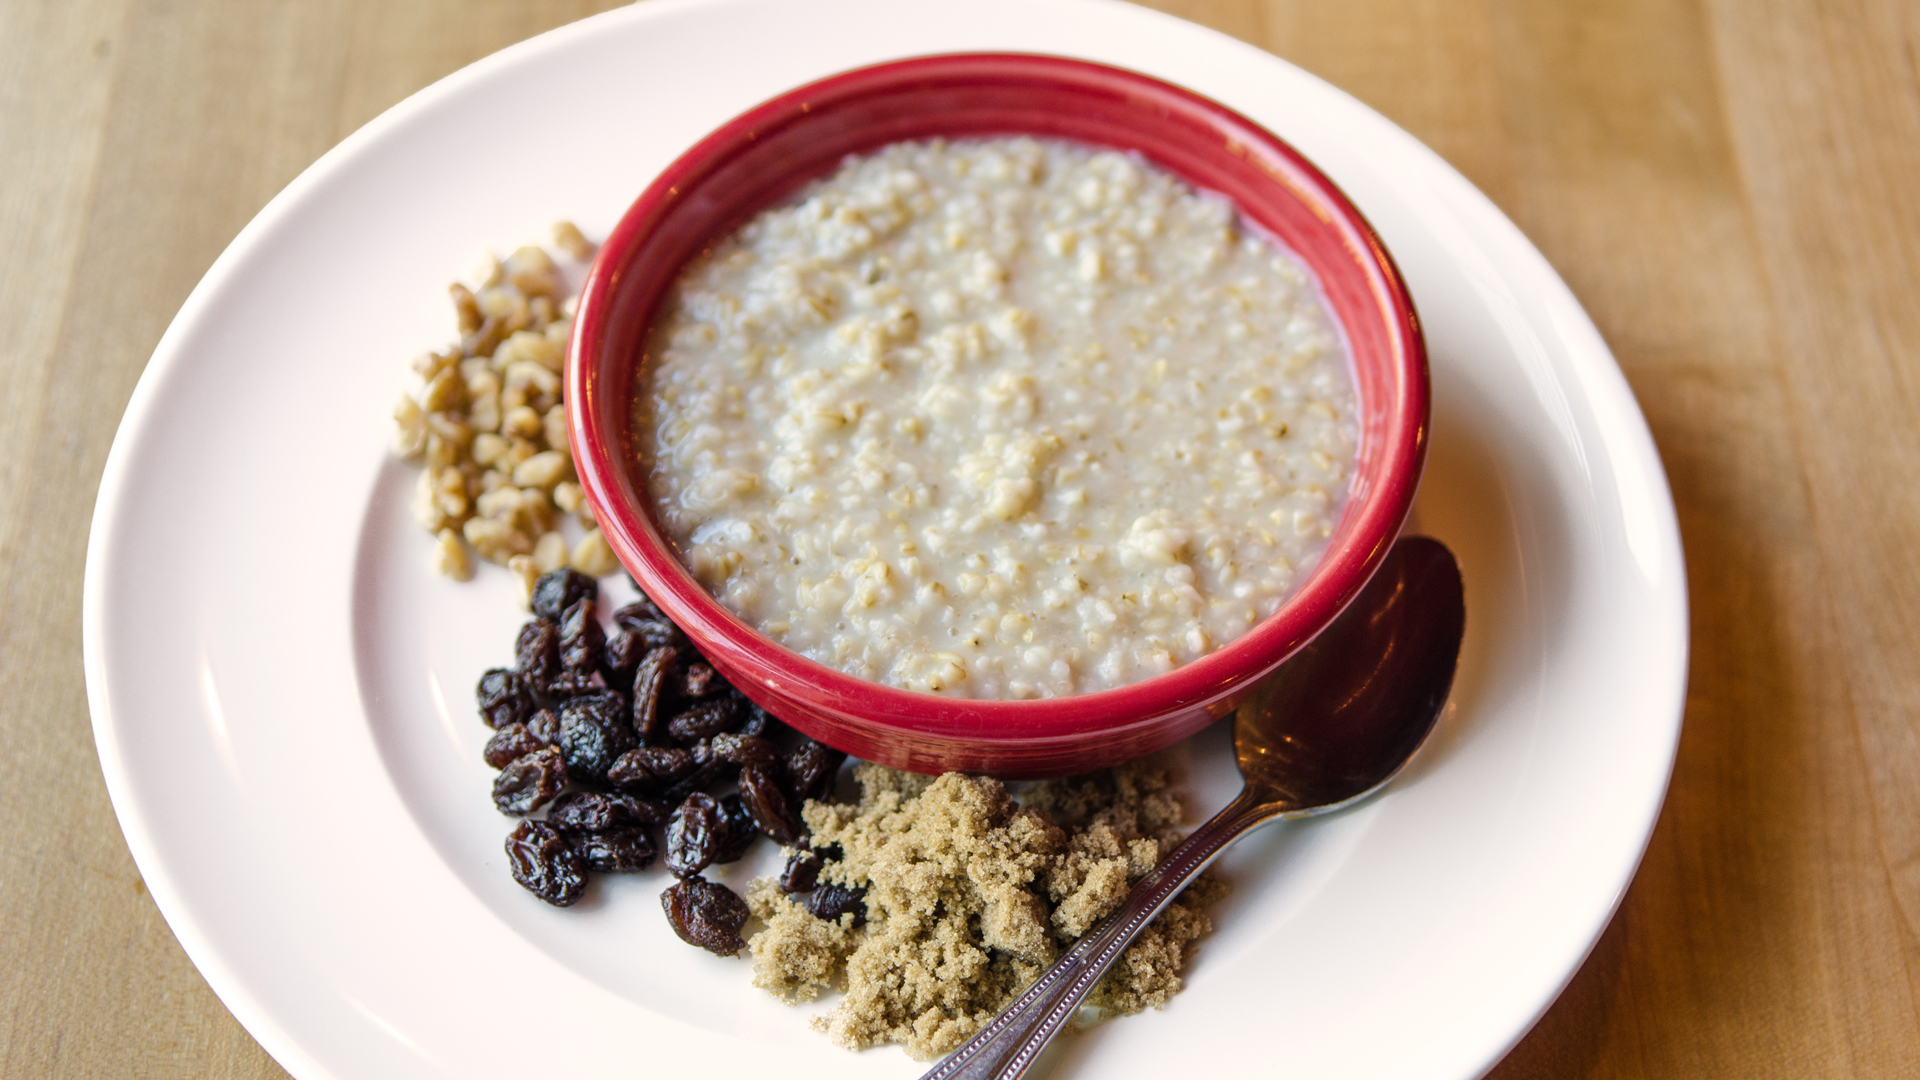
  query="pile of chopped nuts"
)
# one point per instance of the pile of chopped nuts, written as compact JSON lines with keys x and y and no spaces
{"x":489,"y":424}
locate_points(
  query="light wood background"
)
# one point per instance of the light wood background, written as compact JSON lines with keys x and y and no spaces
{"x":1732,"y":187}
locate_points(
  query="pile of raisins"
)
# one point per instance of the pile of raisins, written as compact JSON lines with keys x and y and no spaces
{"x":612,"y":735}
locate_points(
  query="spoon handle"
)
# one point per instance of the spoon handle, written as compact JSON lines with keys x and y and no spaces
{"x":1007,"y":1047}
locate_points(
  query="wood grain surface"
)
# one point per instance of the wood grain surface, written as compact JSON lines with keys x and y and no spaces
{"x":1731,"y":187}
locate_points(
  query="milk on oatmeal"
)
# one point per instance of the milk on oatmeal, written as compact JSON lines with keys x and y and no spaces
{"x":1008,"y":418}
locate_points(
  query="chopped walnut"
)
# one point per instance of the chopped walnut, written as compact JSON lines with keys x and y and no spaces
{"x":544,"y":469}
{"x":466,"y":308}
{"x":550,"y":552}
{"x":450,"y":556}
{"x":593,"y":556}
{"x":409,"y":429}
{"x":523,"y":568}
{"x":567,"y":235}
{"x":496,"y":540}
{"x":530,"y":269}
{"x":522,"y":421}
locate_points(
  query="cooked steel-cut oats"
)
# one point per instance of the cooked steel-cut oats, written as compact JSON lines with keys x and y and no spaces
{"x":999,"y":419}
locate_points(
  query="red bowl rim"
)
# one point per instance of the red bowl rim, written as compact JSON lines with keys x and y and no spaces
{"x":1333,"y":583}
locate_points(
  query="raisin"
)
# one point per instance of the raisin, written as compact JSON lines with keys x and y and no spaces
{"x":503,"y":698}
{"x":570,"y":684}
{"x":802,"y":871}
{"x":588,"y":742}
{"x":701,"y":778}
{"x":706,"y":914}
{"x":709,"y":767}
{"x":705,"y":720}
{"x":699,"y":680}
{"x":615,"y":851}
{"x":620,"y":658}
{"x":812,"y":768}
{"x":831,"y":901}
{"x":545,"y":727}
{"x":658,"y":632}
{"x":760,"y":722}
{"x":693,"y":834}
{"x":650,"y":768}
{"x":768,"y":804}
{"x":644,"y":619}
{"x":508,"y":743}
{"x":537,"y":654}
{"x":743,"y":750}
{"x":738,"y":831}
{"x":609,"y":707}
{"x":530,"y":781}
{"x":558,"y":590}
{"x":544,"y":862}
{"x":582,"y":642}
{"x":641,"y":609}
{"x":591,"y":811}
{"x":649,"y":682}
{"x":581,"y":811}
{"x":630,"y":810}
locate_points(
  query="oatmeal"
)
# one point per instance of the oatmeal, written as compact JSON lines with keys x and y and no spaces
{"x":999,"y":419}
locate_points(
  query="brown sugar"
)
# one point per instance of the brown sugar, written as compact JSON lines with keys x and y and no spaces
{"x":970,"y":894}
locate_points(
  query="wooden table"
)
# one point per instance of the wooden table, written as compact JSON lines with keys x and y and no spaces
{"x":1732,"y":187}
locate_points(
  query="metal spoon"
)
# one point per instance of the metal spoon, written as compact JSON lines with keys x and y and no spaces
{"x":1331,"y":727}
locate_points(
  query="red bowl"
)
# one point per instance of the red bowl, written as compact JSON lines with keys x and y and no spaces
{"x":764,"y":155}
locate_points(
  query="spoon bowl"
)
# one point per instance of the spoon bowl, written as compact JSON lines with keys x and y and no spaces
{"x":1331,"y":727}
{"x":1344,"y":715}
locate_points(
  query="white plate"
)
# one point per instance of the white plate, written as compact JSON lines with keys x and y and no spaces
{"x":280,"y":687}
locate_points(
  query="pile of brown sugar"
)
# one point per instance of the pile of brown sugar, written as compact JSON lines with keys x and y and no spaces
{"x":970,"y":895}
